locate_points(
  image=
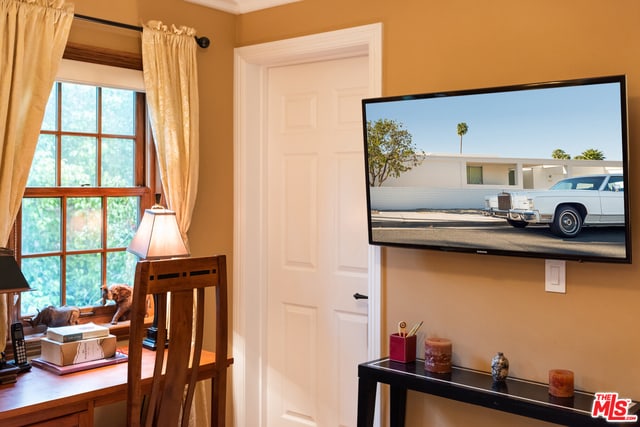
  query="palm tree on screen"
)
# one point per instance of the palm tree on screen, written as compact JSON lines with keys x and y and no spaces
{"x":591,"y":154}
{"x":559,"y":153}
{"x":462,"y":130}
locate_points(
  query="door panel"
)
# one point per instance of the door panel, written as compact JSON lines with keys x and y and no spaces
{"x":317,"y":243}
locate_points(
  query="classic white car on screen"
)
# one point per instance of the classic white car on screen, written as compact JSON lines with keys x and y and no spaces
{"x":567,"y":206}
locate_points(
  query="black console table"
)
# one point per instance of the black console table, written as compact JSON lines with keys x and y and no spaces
{"x":517,"y":396}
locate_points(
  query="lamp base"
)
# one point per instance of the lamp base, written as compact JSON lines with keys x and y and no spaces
{"x":149,"y":342}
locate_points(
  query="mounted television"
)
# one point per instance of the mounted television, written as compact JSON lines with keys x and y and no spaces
{"x":534,"y":170}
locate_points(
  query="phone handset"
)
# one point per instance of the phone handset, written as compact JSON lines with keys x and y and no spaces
{"x":19,"y":348}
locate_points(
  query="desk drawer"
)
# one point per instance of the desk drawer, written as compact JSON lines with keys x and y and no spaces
{"x":80,"y":419}
{"x":74,"y":414}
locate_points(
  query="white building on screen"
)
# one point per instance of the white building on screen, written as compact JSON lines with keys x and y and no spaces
{"x":450,"y":181}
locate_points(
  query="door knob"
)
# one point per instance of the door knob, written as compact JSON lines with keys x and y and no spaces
{"x":360,"y":296}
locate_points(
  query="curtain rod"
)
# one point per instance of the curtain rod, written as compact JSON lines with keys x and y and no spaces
{"x":203,"y":42}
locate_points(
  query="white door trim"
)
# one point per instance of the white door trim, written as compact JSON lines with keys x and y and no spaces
{"x":249,"y":269}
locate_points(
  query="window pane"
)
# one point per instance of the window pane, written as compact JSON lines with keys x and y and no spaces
{"x":118,"y":162}
{"x":43,"y":167}
{"x":79,"y":161}
{"x":83,"y":280}
{"x":474,"y":174}
{"x":122,"y":221}
{"x":41,"y":231}
{"x":51,"y":113}
{"x":84,"y":223}
{"x":43,"y":276}
{"x":79,"y":108}
{"x":121,"y":267}
{"x":118,"y":111}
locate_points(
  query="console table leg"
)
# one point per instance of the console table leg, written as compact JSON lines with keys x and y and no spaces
{"x":398,"y":405}
{"x":366,"y":402}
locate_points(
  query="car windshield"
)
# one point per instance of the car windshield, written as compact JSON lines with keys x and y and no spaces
{"x":579,"y":183}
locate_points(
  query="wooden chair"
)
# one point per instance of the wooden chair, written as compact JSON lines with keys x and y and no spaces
{"x":175,"y":373}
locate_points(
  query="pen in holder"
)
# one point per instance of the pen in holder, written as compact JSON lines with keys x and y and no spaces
{"x":402,"y":348}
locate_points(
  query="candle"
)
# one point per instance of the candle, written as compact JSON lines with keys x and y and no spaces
{"x":561,"y":383}
{"x":437,"y":355}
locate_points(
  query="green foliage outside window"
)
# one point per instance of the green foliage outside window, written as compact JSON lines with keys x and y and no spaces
{"x":71,"y":238}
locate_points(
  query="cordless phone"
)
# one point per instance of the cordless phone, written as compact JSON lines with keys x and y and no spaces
{"x":19,"y":348}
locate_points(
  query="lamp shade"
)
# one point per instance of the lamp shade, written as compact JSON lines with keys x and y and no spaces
{"x":158,"y":236}
{"x":11,"y":278}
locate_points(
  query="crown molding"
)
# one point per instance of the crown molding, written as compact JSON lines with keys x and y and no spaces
{"x":238,"y":7}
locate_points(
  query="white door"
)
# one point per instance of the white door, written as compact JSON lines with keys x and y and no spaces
{"x":316,"y":242}
{"x":253,"y":377}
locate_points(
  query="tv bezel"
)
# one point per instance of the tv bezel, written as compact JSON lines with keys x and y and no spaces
{"x":620,"y":79}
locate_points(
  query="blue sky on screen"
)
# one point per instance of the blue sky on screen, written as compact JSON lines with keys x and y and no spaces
{"x":527,"y":123}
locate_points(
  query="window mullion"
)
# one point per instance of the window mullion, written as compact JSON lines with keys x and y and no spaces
{"x":99,"y":140}
{"x":59,"y":135}
{"x":103,"y":277}
{"x":63,"y":255}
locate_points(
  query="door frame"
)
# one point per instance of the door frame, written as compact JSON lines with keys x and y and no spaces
{"x":251,"y":64}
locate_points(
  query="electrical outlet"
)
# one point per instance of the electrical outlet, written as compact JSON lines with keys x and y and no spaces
{"x":555,"y":276}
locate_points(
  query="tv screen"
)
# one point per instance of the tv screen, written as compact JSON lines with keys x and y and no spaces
{"x":534,"y":170}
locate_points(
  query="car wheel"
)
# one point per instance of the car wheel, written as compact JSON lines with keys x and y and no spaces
{"x":517,"y":224}
{"x":567,"y":222}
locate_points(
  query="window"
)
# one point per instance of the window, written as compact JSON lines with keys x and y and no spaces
{"x":474,"y":175}
{"x":84,"y":195}
{"x":616,"y":183}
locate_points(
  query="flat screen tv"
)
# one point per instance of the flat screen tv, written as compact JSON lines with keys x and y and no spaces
{"x":534,"y":170}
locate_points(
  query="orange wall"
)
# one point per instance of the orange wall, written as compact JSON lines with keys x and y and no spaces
{"x":489,"y":304}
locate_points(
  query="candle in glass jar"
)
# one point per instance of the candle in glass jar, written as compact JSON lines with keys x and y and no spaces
{"x":561,"y":383}
{"x":437,"y":355}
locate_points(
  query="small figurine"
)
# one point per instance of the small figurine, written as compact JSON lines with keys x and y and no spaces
{"x":499,"y":367}
{"x":53,"y":317}
{"x":123,"y":296}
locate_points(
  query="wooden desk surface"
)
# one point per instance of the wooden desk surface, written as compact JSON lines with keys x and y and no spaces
{"x":40,"y":394}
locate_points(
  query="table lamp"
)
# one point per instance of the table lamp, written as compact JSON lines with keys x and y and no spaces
{"x":158,"y":237}
{"x":11,"y":280}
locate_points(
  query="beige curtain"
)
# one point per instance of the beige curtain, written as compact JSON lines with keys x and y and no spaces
{"x":33,"y":35}
{"x":171,"y":82}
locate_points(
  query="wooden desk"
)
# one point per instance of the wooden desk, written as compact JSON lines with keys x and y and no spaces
{"x":522,"y":397}
{"x":39,"y":396}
